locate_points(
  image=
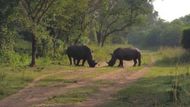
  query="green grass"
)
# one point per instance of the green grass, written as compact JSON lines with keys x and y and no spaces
{"x":155,"y":89}
{"x":74,"y":76}
{"x":14,"y":79}
{"x":172,"y":57}
{"x":104,"y":82}
{"x":20,"y":42}
{"x":103,"y":53}
{"x":79,"y":94}
{"x":76,"y":95}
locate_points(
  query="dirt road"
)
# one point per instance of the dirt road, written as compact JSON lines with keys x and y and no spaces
{"x":36,"y":96}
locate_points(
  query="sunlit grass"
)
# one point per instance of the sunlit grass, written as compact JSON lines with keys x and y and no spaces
{"x":156,"y":88}
{"x":76,"y":95}
{"x":153,"y":88}
{"x":74,"y":76}
{"x":103,"y":53}
{"x":17,"y":77}
{"x":79,"y":94}
{"x":12,"y":80}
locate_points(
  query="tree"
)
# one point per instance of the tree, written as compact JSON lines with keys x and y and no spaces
{"x":33,"y":12}
{"x":117,"y":15}
{"x":72,"y":21}
{"x":7,"y":34}
{"x":186,"y":39}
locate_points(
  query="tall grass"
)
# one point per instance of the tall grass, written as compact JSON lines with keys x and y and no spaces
{"x":103,"y":53}
{"x":166,"y":85}
{"x":173,"y":56}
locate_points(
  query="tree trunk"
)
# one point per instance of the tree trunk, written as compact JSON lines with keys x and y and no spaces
{"x":34,"y":47}
{"x":103,"y":41}
{"x":54,"y":40}
{"x":77,"y":39}
{"x":99,"y":38}
{"x":54,"y":47}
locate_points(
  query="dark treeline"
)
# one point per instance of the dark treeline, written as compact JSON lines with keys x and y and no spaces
{"x":43,"y":28}
{"x":159,"y":33}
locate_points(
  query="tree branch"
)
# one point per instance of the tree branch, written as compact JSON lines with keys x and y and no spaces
{"x":45,"y":10}
{"x":26,"y":9}
{"x":39,"y":8}
{"x":119,"y":29}
{"x":109,"y":25}
{"x":36,"y":7}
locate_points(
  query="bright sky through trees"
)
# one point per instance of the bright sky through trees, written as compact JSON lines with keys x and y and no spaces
{"x":172,"y":9}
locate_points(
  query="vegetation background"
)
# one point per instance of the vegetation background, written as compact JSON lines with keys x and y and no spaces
{"x":37,"y":33}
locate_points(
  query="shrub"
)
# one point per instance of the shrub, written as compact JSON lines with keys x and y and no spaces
{"x":13,"y":59}
{"x":186,"y":39}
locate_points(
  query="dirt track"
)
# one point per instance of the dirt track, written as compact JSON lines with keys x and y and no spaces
{"x":35,"y":96}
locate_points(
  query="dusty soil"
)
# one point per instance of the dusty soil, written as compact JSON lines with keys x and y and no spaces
{"x":36,"y":96}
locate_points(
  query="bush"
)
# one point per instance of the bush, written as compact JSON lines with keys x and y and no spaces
{"x":186,"y":39}
{"x":117,"y":40}
{"x":12,"y":58}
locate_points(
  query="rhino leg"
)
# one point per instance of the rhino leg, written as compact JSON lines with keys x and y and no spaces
{"x":139,"y":60}
{"x":70,"y":60}
{"x":83,"y":62}
{"x":120,"y":63}
{"x":78,"y":61}
{"x":74,"y":61}
{"x":135,"y":62}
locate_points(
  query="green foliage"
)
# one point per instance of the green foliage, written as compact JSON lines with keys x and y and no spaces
{"x":153,"y":90}
{"x":185,"y":19}
{"x":173,"y":57}
{"x":13,"y":80}
{"x":7,"y":39}
{"x":7,"y":8}
{"x":2,"y":76}
{"x":44,"y":47}
{"x":13,"y":59}
{"x":70,"y":21}
{"x":7,"y":24}
{"x":117,"y":16}
{"x":44,"y":61}
{"x":163,"y":86}
{"x":64,"y":23}
{"x":186,"y":39}
{"x":117,"y":40}
{"x":157,"y":35}
{"x":103,"y":53}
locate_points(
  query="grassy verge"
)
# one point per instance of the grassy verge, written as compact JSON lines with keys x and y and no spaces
{"x":103,"y":53}
{"x":14,"y":79}
{"x":156,"y":90}
{"x":166,"y":85}
{"x":79,"y":94}
{"x":74,"y":76}
{"x":73,"y":96}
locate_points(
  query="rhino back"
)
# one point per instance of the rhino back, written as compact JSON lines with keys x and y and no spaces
{"x":126,"y":53}
{"x":79,"y":52}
